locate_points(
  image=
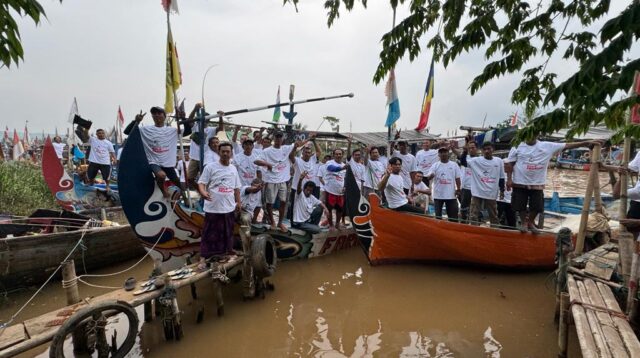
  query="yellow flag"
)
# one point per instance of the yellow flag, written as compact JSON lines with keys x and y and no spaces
{"x":174,"y":76}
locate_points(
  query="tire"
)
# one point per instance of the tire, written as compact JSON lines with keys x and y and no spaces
{"x":263,"y":255}
{"x":57,"y":344}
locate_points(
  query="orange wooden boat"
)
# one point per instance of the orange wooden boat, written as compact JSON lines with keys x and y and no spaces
{"x":388,"y":236}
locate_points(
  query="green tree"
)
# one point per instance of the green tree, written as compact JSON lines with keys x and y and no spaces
{"x":10,"y":43}
{"x":522,"y":37}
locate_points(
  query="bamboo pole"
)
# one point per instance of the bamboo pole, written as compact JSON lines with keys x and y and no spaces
{"x":595,"y":167}
{"x":563,"y":330}
{"x":586,"y":205}
{"x":70,"y":283}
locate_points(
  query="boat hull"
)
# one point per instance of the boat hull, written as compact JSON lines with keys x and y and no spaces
{"x":29,"y":260}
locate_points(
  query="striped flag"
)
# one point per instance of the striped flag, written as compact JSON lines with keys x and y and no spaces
{"x":514,"y":119}
{"x":120,"y":117}
{"x":426,"y":101}
{"x":276,"y":110}
{"x":391,"y":91}
{"x":173,"y":75}
{"x":170,"y":5}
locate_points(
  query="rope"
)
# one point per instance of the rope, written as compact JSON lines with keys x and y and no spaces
{"x":164,"y":228}
{"x":4,"y":325}
{"x":599,"y":309}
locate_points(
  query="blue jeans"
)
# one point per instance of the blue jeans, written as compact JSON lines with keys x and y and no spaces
{"x":311,"y":225}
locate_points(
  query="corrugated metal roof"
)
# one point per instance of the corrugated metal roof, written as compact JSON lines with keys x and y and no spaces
{"x":380,"y":138}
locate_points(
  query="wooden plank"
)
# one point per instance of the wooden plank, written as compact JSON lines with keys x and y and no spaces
{"x":602,"y":268}
{"x":610,"y":331}
{"x":583,"y":274}
{"x":41,"y":329}
{"x":626,"y":332}
{"x":12,"y":335}
{"x":594,"y":326}
{"x":585,"y":337}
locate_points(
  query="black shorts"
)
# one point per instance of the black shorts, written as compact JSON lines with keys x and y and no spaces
{"x":533,"y":197}
{"x":634,"y":210}
{"x":104,"y":169}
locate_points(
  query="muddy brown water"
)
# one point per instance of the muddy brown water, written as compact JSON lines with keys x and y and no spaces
{"x":339,"y":306}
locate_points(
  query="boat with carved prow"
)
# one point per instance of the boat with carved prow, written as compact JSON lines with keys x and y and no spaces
{"x":388,"y":236}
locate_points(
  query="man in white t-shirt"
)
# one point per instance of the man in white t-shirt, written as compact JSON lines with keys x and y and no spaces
{"x":251,"y":199}
{"x":180,"y":168}
{"x":419,"y":193}
{"x":237,"y":147}
{"x":374,"y":171}
{"x":409,"y":163}
{"x":219,"y":185}
{"x":322,"y":172}
{"x":307,"y":162}
{"x":487,"y":182}
{"x":307,"y":209}
{"x":527,"y":175}
{"x":425,"y":158}
{"x":392,"y":184}
{"x":504,"y":207}
{"x":334,"y":187}
{"x":356,"y":164}
{"x":58,"y":146}
{"x":444,"y":177}
{"x":197,"y":139}
{"x":276,"y":160}
{"x":211,"y":151}
{"x":101,"y":156}
{"x":471,"y":151}
{"x":160,"y":144}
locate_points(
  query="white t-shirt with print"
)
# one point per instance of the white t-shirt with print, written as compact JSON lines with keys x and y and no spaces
{"x":419,"y":186}
{"x":394,"y":191}
{"x":211,"y":157}
{"x":310,"y":166}
{"x":250,"y":201}
{"x":443,"y":184}
{"x":303,"y":207}
{"x":322,"y":173}
{"x":384,"y":160}
{"x":194,"y":148}
{"x":485,"y":176}
{"x":358,"y":170}
{"x":59,"y":148}
{"x":425,"y":159}
{"x":221,"y":182}
{"x":531,"y":162}
{"x":279,"y":160}
{"x":409,"y":164}
{"x":180,"y":169}
{"x":100,"y":150}
{"x":466,"y":177}
{"x":507,"y":196}
{"x":334,"y":181}
{"x":160,"y":145}
{"x":247,"y":169}
{"x":374,"y":171}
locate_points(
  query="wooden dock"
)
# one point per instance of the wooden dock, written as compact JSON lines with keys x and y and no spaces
{"x":602,"y":328}
{"x":31,"y":333}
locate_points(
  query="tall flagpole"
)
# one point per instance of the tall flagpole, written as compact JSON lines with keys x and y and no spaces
{"x":175,"y":109}
{"x":393,"y":69}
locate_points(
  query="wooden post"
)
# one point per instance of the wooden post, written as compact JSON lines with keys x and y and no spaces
{"x":595,"y":166}
{"x":70,"y":282}
{"x":633,"y":283}
{"x":148,"y":311}
{"x":625,"y":249}
{"x":563,"y":330}
{"x":593,"y":174}
{"x":561,"y":279}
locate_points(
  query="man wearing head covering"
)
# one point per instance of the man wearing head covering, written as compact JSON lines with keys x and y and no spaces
{"x":160,"y":145}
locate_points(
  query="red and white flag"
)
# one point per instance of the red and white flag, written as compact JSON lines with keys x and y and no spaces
{"x":170,"y":5}
{"x":120,"y":117}
{"x":514,"y":119}
{"x":18,"y":149}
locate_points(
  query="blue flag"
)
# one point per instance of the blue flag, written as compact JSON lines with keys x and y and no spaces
{"x":392,"y":100}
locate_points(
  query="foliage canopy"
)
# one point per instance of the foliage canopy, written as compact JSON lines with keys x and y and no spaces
{"x":521,"y":37}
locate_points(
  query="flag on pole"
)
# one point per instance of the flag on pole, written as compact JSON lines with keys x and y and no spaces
{"x":173,"y":76}
{"x":514,"y":119}
{"x":18,"y":149}
{"x":392,"y":100}
{"x":276,"y":110}
{"x":635,"y":110}
{"x":426,"y":101}
{"x":6,"y":134}
{"x":74,"y":110}
{"x":170,"y":5}
{"x":120,"y":117}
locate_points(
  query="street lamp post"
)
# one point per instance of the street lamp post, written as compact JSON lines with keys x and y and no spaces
{"x":203,"y":79}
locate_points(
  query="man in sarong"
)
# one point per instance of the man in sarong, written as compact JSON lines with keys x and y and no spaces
{"x":219,"y":185}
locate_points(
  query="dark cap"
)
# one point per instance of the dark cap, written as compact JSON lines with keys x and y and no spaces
{"x":156,"y":109}
{"x":278,"y":134}
{"x":443,"y":149}
{"x":403,"y":142}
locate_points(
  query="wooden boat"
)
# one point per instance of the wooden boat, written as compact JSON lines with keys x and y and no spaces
{"x":388,"y":236}
{"x":171,"y":230}
{"x":570,"y":204}
{"x":30,"y":258}
{"x":70,"y":192}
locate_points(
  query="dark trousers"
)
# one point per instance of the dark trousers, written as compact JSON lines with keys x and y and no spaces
{"x":452,"y":208}
{"x":509,"y":215}
{"x":409,"y":209}
{"x":465,"y":204}
{"x":311,"y":225}
{"x":292,"y":198}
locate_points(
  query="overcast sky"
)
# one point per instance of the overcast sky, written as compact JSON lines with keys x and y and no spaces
{"x":110,"y":53}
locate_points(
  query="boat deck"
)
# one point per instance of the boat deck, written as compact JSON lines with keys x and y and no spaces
{"x":30,"y":333}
